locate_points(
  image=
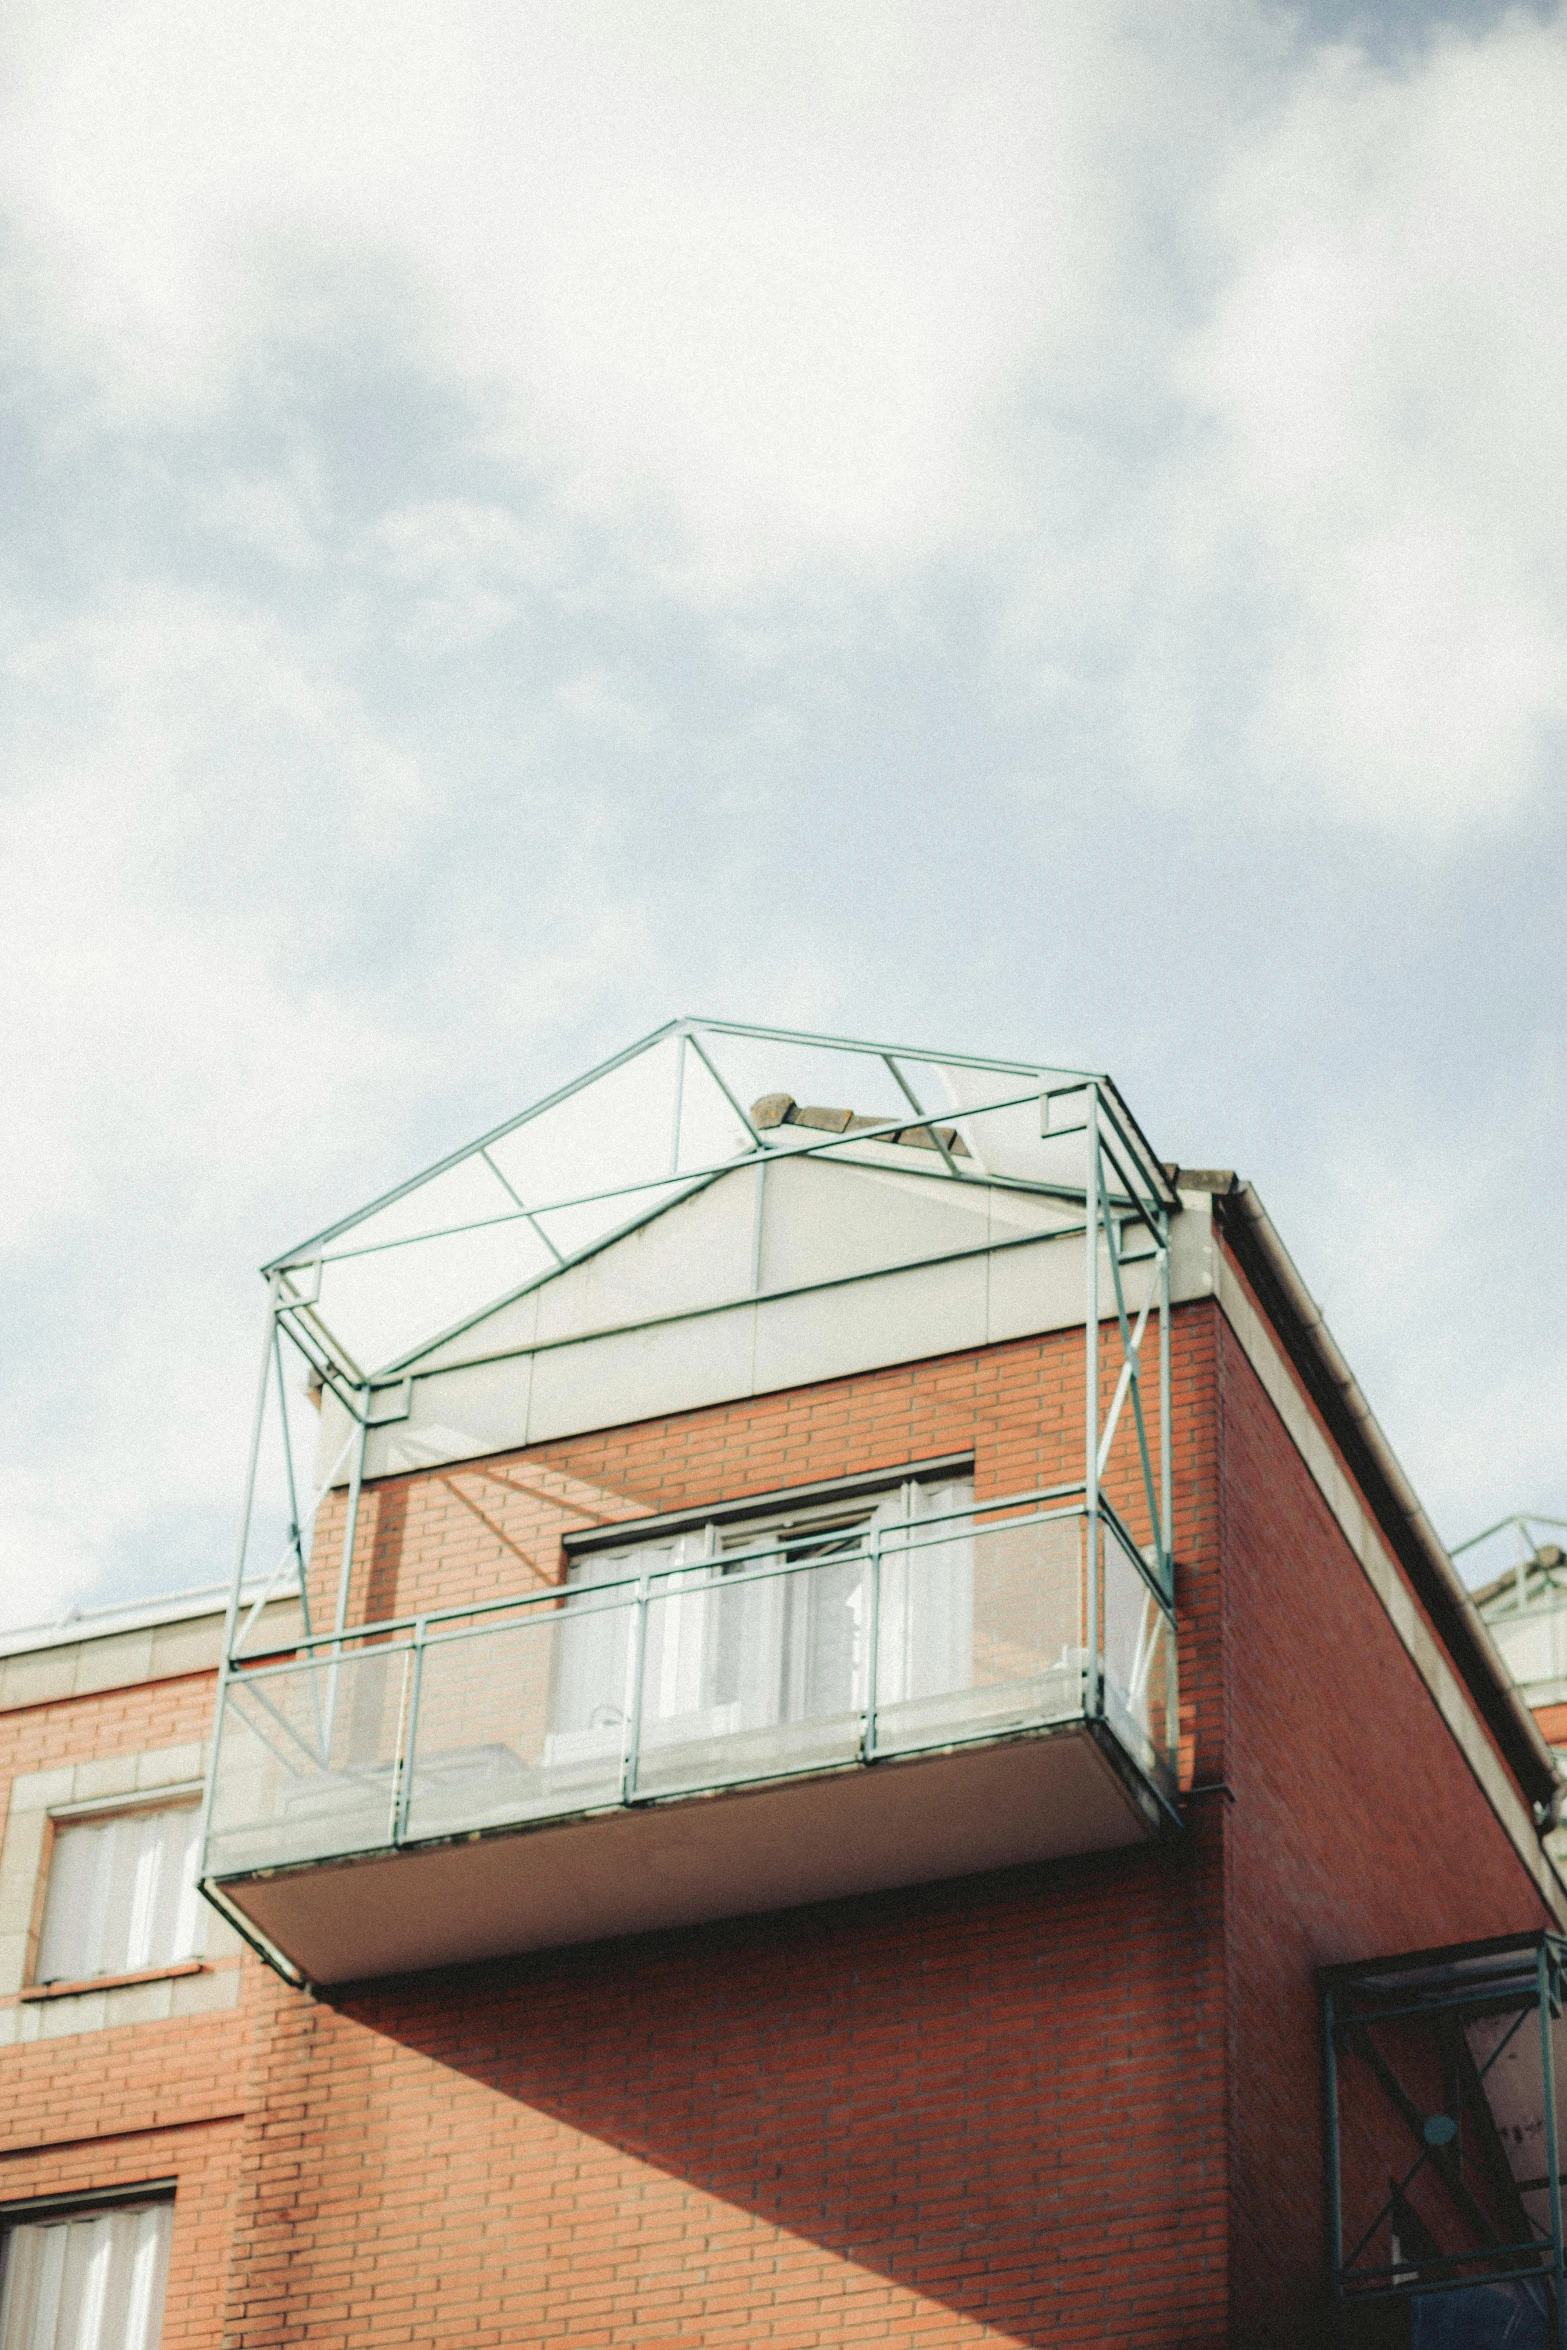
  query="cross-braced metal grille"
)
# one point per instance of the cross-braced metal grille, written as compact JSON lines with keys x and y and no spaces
{"x":382,"y":1297}
{"x":1444,"y":2185}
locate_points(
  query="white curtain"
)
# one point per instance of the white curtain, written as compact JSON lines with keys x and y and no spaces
{"x":595,"y":1654}
{"x":91,"y":2281}
{"x":729,"y":1648}
{"x":122,"y":1895}
{"x":926,"y":1644}
{"x":679,"y":1674}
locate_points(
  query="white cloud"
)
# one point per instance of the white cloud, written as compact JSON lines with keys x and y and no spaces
{"x":199,"y":820}
{"x":1245,"y":358}
{"x":766,"y":267}
{"x":1383,"y":371}
{"x":783,"y":346}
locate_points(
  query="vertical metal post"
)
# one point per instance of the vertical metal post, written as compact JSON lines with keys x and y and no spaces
{"x":258,"y":1420}
{"x":1553,"y":2166}
{"x":346,"y":1571}
{"x":1332,"y":2184}
{"x":231,"y":1613}
{"x":868,"y":1740}
{"x":1091,"y":1395}
{"x":293,"y":1490}
{"x":408,"y":1739}
{"x":351,"y":1524}
{"x":680,"y":1103}
{"x":399,"y":1748}
{"x":633,"y":1739}
{"x":758,"y":1216}
{"x":1166,"y":1475}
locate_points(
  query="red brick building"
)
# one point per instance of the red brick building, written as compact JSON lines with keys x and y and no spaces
{"x":780,"y":1795}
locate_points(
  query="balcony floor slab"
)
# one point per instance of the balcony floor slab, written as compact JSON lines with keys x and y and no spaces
{"x":689,"y":1861}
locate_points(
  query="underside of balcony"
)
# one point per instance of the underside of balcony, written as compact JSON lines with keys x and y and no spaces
{"x":685,"y":1861}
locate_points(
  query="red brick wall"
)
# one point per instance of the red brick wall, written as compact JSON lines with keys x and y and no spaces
{"x":135,"y":1720}
{"x":486,"y":1529}
{"x":994,"y":2105}
{"x":137,"y":2102}
{"x":1357,"y":1829}
{"x":1073,"y":2104}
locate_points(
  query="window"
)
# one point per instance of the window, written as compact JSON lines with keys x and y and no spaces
{"x":86,"y":2279}
{"x":122,"y":1894}
{"x":733,"y":1648}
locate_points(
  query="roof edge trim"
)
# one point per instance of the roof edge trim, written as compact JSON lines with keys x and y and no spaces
{"x":1245,"y":1225}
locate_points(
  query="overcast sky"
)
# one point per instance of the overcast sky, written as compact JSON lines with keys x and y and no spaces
{"x":1035,"y":530}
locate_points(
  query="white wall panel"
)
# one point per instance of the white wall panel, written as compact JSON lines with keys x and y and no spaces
{"x":693,"y":1256}
{"x":695,"y":1264}
{"x":895,"y":1318}
{"x":1033,"y":1289}
{"x":513,"y":1325}
{"x":823,"y":1220}
{"x":674,"y":1367}
{"x":458,"y":1415}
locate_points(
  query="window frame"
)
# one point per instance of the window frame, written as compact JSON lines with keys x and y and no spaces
{"x":868,"y":1485}
{"x":86,"y":2204}
{"x":183,"y":1796}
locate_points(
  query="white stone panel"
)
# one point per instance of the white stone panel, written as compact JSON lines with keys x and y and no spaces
{"x":1032,"y":1289}
{"x":895,"y":1318}
{"x":694,"y":1265}
{"x":672,"y":1367}
{"x":694,"y":1256}
{"x":823,"y":1220}
{"x":457,"y":1415}
{"x":515,"y":1325}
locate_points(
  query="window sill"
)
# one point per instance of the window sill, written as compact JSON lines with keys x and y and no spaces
{"x":149,"y":1974}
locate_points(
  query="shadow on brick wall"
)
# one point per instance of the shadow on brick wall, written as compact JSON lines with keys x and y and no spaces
{"x":983,"y":2095}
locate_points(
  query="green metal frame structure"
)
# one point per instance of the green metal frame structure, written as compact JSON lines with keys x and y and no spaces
{"x":381,"y":1297}
{"x":1443,"y":2177}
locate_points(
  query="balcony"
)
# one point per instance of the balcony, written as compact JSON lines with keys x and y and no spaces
{"x":681,"y":1741}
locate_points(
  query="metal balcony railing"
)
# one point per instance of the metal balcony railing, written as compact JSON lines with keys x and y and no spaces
{"x":1006,"y":1619}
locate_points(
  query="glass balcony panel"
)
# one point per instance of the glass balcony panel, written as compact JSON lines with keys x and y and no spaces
{"x":1139,"y":1665}
{"x":981,"y":1630}
{"x":307,"y":1766}
{"x":749,"y":1675}
{"x":695,"y":1672}
{"x":522,"y":1720}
